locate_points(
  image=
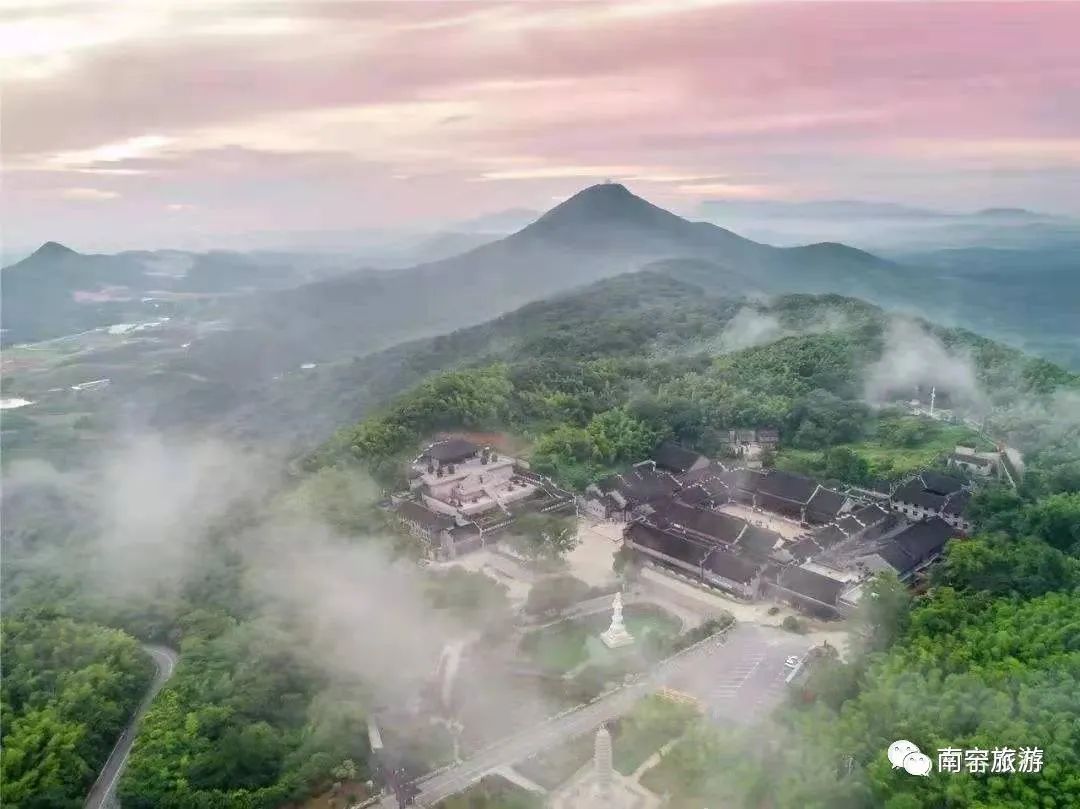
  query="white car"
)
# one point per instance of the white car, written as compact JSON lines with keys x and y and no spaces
{"x":791,"y":662}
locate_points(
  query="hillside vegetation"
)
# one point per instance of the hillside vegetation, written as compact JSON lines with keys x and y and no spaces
{"x":592,"y":380}
{"x":988,"y":657}
{"x":598,"y":378}
{"x":69,"y":688}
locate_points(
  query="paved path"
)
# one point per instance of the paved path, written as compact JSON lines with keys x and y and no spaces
{"x":101,"y":793}
{"x":695,"y":671}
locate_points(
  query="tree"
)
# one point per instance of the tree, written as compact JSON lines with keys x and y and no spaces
{"x":626,"y":564}
{"x":882,"y":613}
{"x":1056,"y":520}
{"x":996,"y":508}
{"x":345,"y":771}
{"x":822,"y":419}
{"x":68,"y":690}
{"x":555,"y":594}
{"x":845,"y":465}
{"x":469,"y":595}
{"x":768,"y":458}
{"x":1002,"y":566}
{"x":544,"y":536}
{"x":619,"y":436}
{"x":569,"y":454}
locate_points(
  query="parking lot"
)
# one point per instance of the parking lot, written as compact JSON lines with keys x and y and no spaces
{"x":743,"y":680}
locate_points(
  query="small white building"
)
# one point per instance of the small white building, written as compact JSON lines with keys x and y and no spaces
{"x":982,"y":464}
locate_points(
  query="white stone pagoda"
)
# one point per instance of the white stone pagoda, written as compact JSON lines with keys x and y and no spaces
{"x":598,"y":785}
{"x":616,"y":635}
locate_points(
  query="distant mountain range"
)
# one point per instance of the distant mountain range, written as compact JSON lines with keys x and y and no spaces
{"x":853,"y":209}
{"x":268,"y":322}
{"x":891,"y":229}
{"x":57,"y":291}
{"x":602,"y":231}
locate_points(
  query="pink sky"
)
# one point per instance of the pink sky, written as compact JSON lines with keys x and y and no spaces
{"x":146,"y":122}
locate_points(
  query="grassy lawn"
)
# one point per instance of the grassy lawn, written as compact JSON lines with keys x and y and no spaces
{"x":651,"y":724}
{"x":929,"y":441}
{"x":493,"y":792}
{"x":692,"y":773}
{"x":567,"y":644}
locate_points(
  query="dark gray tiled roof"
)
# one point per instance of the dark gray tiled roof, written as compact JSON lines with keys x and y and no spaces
{"x":787,"y":485}
{"x":422,"y":515}
{"x":804,"y":549}
{"x":923,"y":539}
{"x":907,"y":549}
{"x":450,"y":450}
{"x":826,"y":501}
{"x":869,"y":515}
{"x":674,"y":458}
{"x":694,"y":495}
{"x":729,"y":566}
{"x":713,"y":524}
{"x":915,"y":493}
{"x":897,"y":559}
{"x":808,"y":583}
{"x":677,"y":547}
{"x":957,"y":503}
{"x":828,"y":535}
{"x":849,"y":525}
{"x":941,"y":484}
{"x":758,"y":542}
{"x":641,"y":485}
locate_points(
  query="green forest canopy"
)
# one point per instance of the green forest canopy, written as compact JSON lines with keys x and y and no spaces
{"x":68,"y":690}
{"x":593,"y":380}
{"x":589,"y":413}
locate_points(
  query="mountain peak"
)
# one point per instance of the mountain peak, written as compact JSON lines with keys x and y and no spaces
{"x":605,"y":204}
{"x":608,"y":193}
{"x":53,"y":250}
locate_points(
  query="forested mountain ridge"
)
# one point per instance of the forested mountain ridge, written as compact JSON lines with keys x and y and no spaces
{"x":592,"y":379}
{"x":602,"y":231}
{"x":657,"y":345}
{"x":243,"y":365}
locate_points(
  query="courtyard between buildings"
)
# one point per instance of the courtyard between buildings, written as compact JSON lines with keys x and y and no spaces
{"x":592,"y":562}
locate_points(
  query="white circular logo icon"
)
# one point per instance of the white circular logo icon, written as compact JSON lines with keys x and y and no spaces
{"x":899,"y":749}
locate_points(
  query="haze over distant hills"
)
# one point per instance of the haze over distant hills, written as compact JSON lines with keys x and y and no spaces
{"x":267,"y":323}
{"x":889,"y":228}
{"x":601,"y":231}
{"x":57,"y":291}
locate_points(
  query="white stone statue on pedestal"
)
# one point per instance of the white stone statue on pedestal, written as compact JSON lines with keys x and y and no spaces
{"x":616,"y":634}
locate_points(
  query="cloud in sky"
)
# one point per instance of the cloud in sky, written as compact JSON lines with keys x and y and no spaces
{"x":340,"y":114}
{"x":88,"y":194}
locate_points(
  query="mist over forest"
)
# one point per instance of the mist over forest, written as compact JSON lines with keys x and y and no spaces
{"x":212,"y":476}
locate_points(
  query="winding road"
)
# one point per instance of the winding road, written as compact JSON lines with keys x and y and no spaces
{"x":101,"y":793}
